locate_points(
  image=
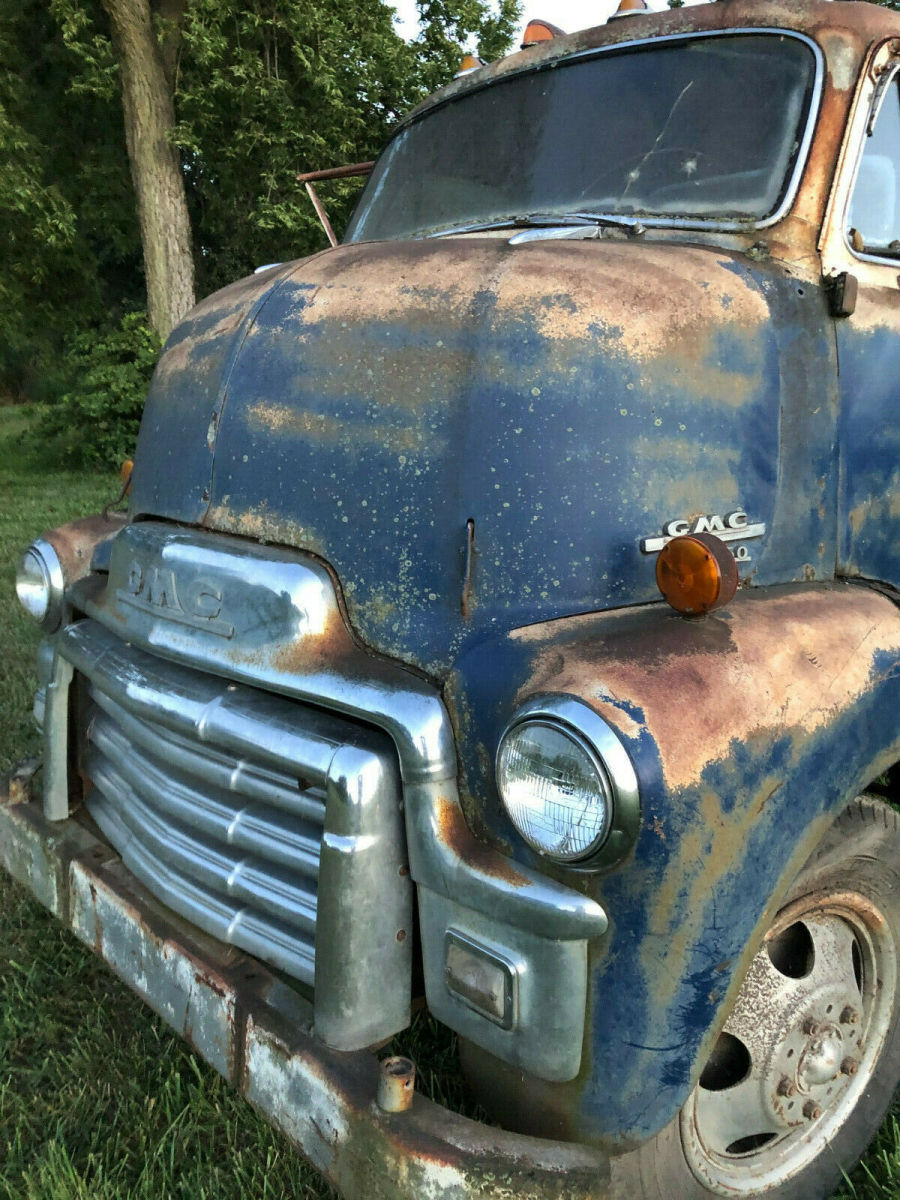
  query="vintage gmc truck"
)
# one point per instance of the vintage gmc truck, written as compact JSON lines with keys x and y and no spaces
{"x":373,"y":698}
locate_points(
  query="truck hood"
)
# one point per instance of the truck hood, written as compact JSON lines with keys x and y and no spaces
{"x":478,"y":435}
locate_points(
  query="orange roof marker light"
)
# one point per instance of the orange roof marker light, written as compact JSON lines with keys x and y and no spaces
{"x":630,"y":8}
{"x":540,"y":31}
{"x":696,"y":574}
{"x":470,"y":62}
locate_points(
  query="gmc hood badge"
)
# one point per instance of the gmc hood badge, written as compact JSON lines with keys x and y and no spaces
{"x":733,"y":527}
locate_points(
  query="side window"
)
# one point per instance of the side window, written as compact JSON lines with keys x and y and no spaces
{"x":874,"y":224}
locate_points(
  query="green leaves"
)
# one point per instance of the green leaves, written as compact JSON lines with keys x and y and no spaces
{"x":97,"y":421}
{"x":263,"y":90}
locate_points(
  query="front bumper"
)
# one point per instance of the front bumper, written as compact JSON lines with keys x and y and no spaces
{"x":256,"y":1031}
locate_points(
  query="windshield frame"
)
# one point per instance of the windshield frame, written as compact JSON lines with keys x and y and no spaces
{"x":648,"y":221}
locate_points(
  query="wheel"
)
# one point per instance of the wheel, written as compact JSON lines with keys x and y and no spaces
{"x":809,"y":1059}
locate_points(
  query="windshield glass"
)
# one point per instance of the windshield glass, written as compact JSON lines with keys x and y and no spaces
{"x":705,"y":128}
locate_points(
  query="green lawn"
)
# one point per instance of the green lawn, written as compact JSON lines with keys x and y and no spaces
{"x":98,"y":1101}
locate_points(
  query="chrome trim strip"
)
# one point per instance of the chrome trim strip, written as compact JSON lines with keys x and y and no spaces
{"x":290,"y":634}
{"x":56,"y":739}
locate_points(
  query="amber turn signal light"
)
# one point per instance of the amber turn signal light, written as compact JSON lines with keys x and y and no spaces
{"x":696,"y":574}
{"x":125,"y":474}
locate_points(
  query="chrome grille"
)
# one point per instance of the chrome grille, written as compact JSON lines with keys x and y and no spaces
{"x":187,"y":823}
{"x":226,"y":801}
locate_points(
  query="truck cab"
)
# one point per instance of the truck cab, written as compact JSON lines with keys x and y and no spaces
{"x":504,"y":620}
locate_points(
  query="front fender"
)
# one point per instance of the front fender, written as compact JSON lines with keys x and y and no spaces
{"x":749,"y":730}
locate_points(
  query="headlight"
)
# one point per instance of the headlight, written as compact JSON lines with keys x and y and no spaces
{"x":40,"y":586}
{"x":567,"y":782}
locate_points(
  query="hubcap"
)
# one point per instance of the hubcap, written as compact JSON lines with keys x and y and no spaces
{"x":799,"y":1048}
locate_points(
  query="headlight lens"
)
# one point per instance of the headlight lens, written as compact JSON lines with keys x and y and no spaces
{"x":39,"y":585}
{"x":555,"y":789}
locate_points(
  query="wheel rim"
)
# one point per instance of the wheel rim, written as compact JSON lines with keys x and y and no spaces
{"x":799,"y":1048}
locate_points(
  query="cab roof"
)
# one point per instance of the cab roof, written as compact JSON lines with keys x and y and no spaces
{"x":843,"y":28}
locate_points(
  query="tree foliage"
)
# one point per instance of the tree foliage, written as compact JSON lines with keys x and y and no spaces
{"x":262,"y":90}
{"x":97,"y":420}
{"x":71,"y":253}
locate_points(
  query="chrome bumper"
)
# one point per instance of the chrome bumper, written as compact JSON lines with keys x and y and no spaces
{"x":255,"y":1031}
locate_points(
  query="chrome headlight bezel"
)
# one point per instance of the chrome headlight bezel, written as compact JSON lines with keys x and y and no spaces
{"x":40,"y":585}
{"x":618,"y":782}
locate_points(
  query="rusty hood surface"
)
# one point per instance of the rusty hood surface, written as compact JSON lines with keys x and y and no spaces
{"x":478,"y":435}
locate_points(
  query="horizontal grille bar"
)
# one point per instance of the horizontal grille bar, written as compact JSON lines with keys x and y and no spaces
{"x":162,"y":777}
{"x":232,"y":718}
{"x":266,"y":821}
{"x":213,"y":793}
{"x":253,"y":881}
{"x":228,"y":922}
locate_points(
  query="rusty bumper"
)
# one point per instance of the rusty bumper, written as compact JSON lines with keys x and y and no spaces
{"x":257,"y":1032}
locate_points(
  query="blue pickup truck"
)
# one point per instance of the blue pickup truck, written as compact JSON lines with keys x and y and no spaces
{"x":505,"y":621}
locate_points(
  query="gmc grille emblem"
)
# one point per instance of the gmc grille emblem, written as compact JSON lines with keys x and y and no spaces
{"x":157,"y":592}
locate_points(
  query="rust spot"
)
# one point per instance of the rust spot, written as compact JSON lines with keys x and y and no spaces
{"x":453,"y":831}
{"x":76,"y":541}
{"x":17,"y":785}
{"x":775,"y":660}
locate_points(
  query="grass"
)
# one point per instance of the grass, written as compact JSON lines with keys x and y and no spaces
{"x":98,"y":1101}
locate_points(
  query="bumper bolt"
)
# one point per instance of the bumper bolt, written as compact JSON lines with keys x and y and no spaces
{"x":809,"y":1026}
{"x":849,"y":1016}
{"x":787,"y":1087}
{"x":396,"y":1084}
{"x":849,"y":1066}
{"x":811,"y":1110}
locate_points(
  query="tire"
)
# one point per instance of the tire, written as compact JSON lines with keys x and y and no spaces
{"x":809,"y":1059}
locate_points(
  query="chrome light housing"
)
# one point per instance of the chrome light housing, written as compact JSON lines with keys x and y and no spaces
{"x":567,"y":783}
{"x":40,"y":585}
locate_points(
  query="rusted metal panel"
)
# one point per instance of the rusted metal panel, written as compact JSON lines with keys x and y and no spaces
{"x":76,"y":542}
{"x":425,"y":1153}
{"x":748,"y":730}
{"x":33,"y":851}
{"x":190,"y":993}
{"x":257,"y":1032}
{"x":869,"y":442}
{"x":397,"y":392}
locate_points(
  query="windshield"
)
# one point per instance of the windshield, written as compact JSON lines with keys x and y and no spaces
{"x":705,"y":128}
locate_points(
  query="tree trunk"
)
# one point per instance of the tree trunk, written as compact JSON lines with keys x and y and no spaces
{"x":147,"y":98}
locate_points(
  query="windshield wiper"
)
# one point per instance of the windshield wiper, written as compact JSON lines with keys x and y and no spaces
{"x":552,"y":222}
{"x":613,"y":220}
{"x":538,"y":226}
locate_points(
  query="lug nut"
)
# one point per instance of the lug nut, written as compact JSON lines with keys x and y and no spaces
{"x":811,"y":1110}
{"x":787,"y":1087}
{"x":849,"y":1016}
{"x":849,"y":1066}
{"x":809,"y":1026}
